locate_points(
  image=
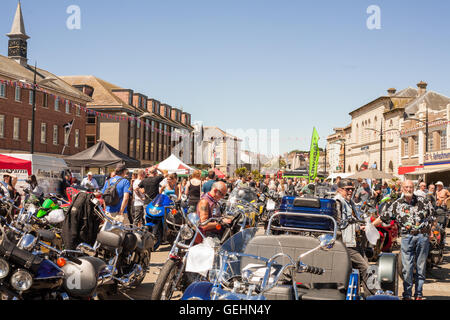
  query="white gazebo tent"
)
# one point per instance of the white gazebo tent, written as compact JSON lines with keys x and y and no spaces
{"x":174,"y":165}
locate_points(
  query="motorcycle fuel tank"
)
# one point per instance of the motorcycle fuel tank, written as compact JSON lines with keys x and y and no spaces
{"x":81,"y":279}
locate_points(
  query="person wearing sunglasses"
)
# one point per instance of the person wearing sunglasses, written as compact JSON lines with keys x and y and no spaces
{"x":208,"y":207}
{"x":345,"y":210}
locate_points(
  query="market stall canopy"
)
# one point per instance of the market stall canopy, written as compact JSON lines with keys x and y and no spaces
{"x":219,"y":174}
{"x":101,"y":155}
{"x":426,"y":171}
{"x":8,"y":164}
{"x":371,"y":174}
{"x":174,"y":165}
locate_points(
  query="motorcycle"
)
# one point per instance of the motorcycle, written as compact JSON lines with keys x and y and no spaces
{"x":173,"y":276}
{"x":125,"y":250}
{"x":27,"y":272}
{"x":270,"y":202}
{"x":163,"y":216}
{"x":262,"y":268}
{"x":388,"y":233}
{"x":437,"y":239}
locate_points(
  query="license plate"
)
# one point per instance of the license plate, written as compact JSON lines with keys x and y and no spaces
{"x":270,"y":205}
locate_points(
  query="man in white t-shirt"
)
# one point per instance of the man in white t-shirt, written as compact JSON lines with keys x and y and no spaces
{"x":139,"y":197}
{"x":89,"y":182}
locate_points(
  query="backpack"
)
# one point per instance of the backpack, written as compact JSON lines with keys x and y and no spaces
{"x":111,"y":196}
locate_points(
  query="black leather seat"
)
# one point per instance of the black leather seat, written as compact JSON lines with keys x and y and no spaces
{"x":331,"y":285}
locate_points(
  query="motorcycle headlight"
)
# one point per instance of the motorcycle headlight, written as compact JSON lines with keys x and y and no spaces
{"x":186,"y":233}
{"x":21,"y":280}
{"x":154,"y":211}
{"x":4,"y":268}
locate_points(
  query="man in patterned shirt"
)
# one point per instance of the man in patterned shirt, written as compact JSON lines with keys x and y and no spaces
{"x":414,"y":216}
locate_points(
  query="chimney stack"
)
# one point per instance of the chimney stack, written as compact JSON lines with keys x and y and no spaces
{"x":422,"y":87}
{"x":391,"y":91}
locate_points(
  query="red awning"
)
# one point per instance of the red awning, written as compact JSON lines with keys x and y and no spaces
{"x":219,"y":174}
{"x":405,"y":170}
{"x":10,"y":163}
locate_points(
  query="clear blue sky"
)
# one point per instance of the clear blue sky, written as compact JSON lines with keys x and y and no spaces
{"x":287,"y":65}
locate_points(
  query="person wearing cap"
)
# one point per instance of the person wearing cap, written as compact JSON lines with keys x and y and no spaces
{"x":89,"y":182}
{"x":442,"y":195}
{"x":349,"y":231}
{"x":124,"y":191}
{"x":414,"y":215}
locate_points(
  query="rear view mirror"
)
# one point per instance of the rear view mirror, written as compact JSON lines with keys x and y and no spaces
{"x":326,"y":241}
{"x":194,"y":219}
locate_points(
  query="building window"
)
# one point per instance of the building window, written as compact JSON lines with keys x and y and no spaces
{"x":78,"y":110}
{"x":430,"y":142}
{"x":16,"y":129}
{"x":443,"y":139}
{"x":30,"y":99}
{"x":405,"y":147}
{"x":56,"y":104}
{"x":18,"y":94}
{"x":67,"y":106}
{"x":90,"y":141}
{"x":43,"y":133}
{"x":29,"y":131}
{"x":416,"y":145}
{"x":45,"y":101}
{"x":77,"y":138}
{"x":90,"y":119}
{"x":2,"y":126}
{"x":66,"y":137}
{"x":55,"y":135}
{"x":2,"y":90}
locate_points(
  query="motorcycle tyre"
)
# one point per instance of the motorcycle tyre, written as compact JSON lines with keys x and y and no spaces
{"x":165,"y":277}
{"x":144,"y":261}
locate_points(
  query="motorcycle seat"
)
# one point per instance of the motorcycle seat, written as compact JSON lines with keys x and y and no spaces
{"x":336,"y":263}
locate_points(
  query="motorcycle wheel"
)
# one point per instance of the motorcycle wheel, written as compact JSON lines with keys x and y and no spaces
{"x":164,"y":286}
{"x":144,"y":261}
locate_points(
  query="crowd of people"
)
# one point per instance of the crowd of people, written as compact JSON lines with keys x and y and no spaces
{"x":411,"y":207}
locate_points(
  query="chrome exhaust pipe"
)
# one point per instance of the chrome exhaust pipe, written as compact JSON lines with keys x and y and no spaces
{"x":127,"y":279}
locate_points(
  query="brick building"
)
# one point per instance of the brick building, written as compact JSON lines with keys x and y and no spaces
{"x":159,"y":126}
{"x":57,"y":103}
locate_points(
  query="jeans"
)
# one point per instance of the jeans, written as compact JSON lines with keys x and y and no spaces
{"x":359,"y":261}
{"x":414,"y":250}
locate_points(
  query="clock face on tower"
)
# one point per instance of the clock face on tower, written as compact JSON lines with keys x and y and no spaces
{"x":17,"y":48}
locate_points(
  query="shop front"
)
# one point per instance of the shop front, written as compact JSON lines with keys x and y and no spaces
{"x":436,"y":168}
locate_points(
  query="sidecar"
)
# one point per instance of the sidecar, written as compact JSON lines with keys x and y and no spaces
{"x":339,"y":281}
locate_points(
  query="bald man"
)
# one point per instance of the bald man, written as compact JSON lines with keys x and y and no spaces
{"x":414,"y":215}
{"x":208,"y":207}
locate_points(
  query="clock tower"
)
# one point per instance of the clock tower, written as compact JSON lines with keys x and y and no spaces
{"x":17,"y":45}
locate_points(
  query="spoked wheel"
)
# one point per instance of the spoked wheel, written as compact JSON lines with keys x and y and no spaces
{"x":144,"y":261}
{"x":165,"y":285}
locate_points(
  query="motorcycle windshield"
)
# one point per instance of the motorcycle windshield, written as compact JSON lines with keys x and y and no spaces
{"x":236,"y":244}
{"x":161,"y":200}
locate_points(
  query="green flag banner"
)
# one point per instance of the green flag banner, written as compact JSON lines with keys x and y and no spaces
{"x":314,"y":156}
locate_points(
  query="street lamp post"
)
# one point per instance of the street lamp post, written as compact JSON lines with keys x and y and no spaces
{"x":381,"y":132}
{"x":33,"y":112}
